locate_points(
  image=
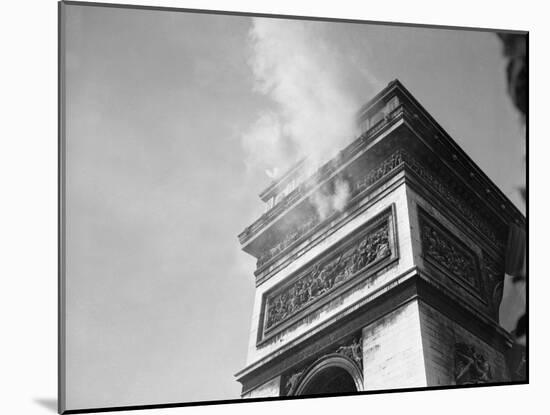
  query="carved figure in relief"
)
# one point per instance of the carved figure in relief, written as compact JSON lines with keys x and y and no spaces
{"x":314,"y":287}
{"x":362,"y":254}
{"x":447,"y":254}
{"x":353,"y":351}
{"x":305,"y":291}
{"x":383,"y":251}
{"x":339,"y":278}
{"x":471,"y":367}
{"x":292,"y":381}
{"x":323,"y":278}
{"x":292,"y":304}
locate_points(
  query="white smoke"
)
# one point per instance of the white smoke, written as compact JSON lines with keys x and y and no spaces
{"x":329,"y":201}
{"x":341,"y":194}
{"x":313,"y":114}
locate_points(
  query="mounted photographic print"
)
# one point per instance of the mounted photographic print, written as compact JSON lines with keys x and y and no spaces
{"x":386,"y":250}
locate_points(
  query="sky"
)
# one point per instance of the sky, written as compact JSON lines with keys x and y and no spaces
{"x":174,"y":124}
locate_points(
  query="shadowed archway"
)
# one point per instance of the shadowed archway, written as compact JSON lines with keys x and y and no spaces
{"x":331,"y":380}
{"x":333,"y":374}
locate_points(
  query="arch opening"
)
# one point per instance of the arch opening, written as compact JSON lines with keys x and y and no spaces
{"x":333,"y":374}
{"x":331,"y":380}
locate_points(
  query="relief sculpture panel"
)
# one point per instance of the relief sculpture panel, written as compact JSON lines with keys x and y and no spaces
{"x":471,"y":367}
{"x":326,"y":275}
{"x":437,"y":185}
{"x":442,"y":249}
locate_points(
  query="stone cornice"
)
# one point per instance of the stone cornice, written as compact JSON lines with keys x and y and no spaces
{"x":448,"y":152}
{"x":438,"y":186}
{"x":276,"y":185}
{"x":376,"y":177}
{"x":372,"y":178}
{"x":326,"y":228}
{"x":427,"y":130}
{"x":320,"y":176}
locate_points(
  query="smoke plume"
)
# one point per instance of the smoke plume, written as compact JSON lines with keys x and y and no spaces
{"x":335,"y":199}
{"x":312,"y":113}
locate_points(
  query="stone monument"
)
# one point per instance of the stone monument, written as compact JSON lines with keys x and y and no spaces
{"x":398,"y":288}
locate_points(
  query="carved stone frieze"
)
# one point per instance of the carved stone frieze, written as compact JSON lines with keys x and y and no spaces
{"x":382,"y":170}
{"x":440,"y":247}
{"x":398,"y":158}
{"x":300,"y":230}
{"x":471,"y":367}
{"x":326,"y":275}
{"x":466,"y":211}
{"x":353,"y":351}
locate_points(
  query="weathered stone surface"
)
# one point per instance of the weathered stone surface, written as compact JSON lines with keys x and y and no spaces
{"x":454,"y":355}
{"x":446,"y":251}
{"x":351,"y":293}
{"x":422,"y":285}
{"x":268,"y":389}
{"x":392,"y":351}
{"x":326,"y":275}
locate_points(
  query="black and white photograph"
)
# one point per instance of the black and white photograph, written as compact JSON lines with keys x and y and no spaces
{"x":267,"y":207}
{"x":386,"y":249}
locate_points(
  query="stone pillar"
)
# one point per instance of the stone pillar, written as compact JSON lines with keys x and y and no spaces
{"x":393,"y":356}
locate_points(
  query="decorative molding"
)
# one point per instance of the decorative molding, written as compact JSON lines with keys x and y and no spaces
{"x":292,"y":382}
{"x":300,"y":230}
{"x":446,"y":252}
{"x":374,"y":175}
{"x":384,"y":169}
{"x":390,"y":115}
{"x":466,"y":211}
{"x":471,"y":367}
{"x":326,"y":275}
{"x":351,"y":349}
{"x":381,"y":171}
